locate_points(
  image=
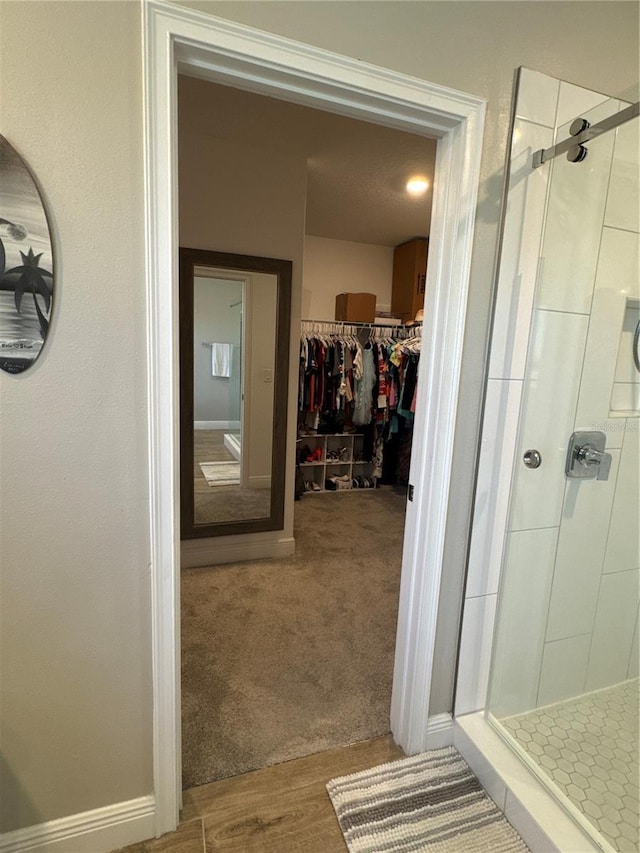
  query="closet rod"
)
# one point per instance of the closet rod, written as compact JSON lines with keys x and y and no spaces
{"x":399,"y":326}
{"x":352,"y":323}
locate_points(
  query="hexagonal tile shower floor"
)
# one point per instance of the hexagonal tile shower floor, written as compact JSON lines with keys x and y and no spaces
{"x":589,"y":747}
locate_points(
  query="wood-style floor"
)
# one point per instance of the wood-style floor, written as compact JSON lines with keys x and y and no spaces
{"x":281,"y":809}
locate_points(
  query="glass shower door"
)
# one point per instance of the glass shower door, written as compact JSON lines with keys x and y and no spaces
{"x":564,"y":682}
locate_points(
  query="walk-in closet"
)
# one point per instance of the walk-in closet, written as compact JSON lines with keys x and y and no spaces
{"x":356,"y":404}
{"x":303,"y":260}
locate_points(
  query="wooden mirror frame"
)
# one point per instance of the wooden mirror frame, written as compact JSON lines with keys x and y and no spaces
{"x":189,"y":260}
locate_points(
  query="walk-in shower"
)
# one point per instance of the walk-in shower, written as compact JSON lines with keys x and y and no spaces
{"x":563,"y":689}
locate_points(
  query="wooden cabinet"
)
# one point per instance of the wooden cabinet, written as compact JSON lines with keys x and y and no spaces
{"x":409,"y":276}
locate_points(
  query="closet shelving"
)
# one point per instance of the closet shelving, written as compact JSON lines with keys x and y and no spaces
{"x":341,"y":455}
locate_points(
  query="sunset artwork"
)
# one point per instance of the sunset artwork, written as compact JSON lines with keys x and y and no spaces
{"x":26,"y":265}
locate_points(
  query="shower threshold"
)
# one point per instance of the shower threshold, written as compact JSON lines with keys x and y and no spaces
{"x":545,"y":817}
{"x":588,"y":746}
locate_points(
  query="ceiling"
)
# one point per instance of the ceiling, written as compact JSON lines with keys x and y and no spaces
{"x":357,"y":171}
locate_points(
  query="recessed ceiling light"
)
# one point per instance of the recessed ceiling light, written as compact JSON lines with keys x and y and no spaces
{"x":417,"y":186}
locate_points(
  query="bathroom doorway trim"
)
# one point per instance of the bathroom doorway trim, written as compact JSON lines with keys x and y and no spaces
{"x":257,"y":61}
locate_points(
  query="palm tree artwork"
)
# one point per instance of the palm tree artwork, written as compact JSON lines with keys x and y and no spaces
{"x":26,"y":265}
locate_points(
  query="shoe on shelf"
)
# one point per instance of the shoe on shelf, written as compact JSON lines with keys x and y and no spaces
{"x":303,"y":453}
{"x":343,"y":482}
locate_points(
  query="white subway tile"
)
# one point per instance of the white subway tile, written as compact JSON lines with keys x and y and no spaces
{"x":524,"y":600}
{"x":475,"y":653}
{"x":616,"y":281}
{"x":537,"y":97}
{"x":625,"y":397}
{"x":625,"y":367}
{"x":581,"y":548}
{"x":574,"y":101}
{"x":573,"y":227}
{"x":623,"y":201}
{"x":564,"y":668}
{"x":499,"y":433}
{"x":613,"y":631}
{"x":520,"y":252}
{"x":551,"y":390}
{"x":623,"y":544}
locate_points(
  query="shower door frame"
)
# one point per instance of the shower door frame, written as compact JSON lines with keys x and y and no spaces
{"x":249,"y":59}
{"x":535,"y":811}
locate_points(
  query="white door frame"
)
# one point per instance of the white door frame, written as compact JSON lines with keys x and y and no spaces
{"x":261,"y":62}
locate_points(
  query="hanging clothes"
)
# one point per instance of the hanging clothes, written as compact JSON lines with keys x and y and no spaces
{"x":364,"y":389}
{"x":347,"y":383}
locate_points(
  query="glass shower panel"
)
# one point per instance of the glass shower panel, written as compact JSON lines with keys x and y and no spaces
{"x":564,"y":683}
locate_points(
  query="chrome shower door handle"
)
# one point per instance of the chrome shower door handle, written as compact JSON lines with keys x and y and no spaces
{"x":587,"y":458}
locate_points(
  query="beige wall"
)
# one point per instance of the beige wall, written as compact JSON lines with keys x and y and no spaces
{"x":340,"y":266}
{"x":75,"y":595}
{"x":260,"y":331}
{"x":76,"y":697}
{"x":236,"y":198}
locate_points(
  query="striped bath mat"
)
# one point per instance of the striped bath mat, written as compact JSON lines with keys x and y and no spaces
{"x":221,"y":473}
{"x":430,"y":802}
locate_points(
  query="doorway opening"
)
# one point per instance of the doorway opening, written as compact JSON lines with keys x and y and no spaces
{"x":292,"y":655}
{"x":258,"y":61}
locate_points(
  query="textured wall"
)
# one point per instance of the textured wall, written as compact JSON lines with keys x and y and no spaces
{"x":76,"y":669}
{"x":338,"y":266}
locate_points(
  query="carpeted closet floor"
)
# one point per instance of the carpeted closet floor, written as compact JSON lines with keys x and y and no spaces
{"x":283,"y":658}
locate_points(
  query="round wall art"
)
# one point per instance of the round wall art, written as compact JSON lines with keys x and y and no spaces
{"x":26,"y":265}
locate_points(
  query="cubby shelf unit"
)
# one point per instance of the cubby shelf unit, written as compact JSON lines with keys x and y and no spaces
{"x":349,"y":447}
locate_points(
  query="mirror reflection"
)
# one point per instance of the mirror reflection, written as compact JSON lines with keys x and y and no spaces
{"x":234,"y":350}
{"x":234,"y":322}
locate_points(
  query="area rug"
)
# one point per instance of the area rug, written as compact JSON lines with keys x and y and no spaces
{"x":221,"y":473}
{"x":430,"y":803}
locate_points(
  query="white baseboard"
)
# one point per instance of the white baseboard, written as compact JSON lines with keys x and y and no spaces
{"x":216,"y":424}
{"x":233,"y":444}
{"x":96,"y":831}
{"x":259,"y":482}
{"x":197,"y":553}
{"x":440,"y":731}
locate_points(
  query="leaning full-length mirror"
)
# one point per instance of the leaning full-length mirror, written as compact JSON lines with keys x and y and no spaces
{"x":234,"y":334}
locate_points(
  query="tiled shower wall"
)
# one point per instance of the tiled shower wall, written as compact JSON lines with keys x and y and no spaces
{"x":571,"y":549}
